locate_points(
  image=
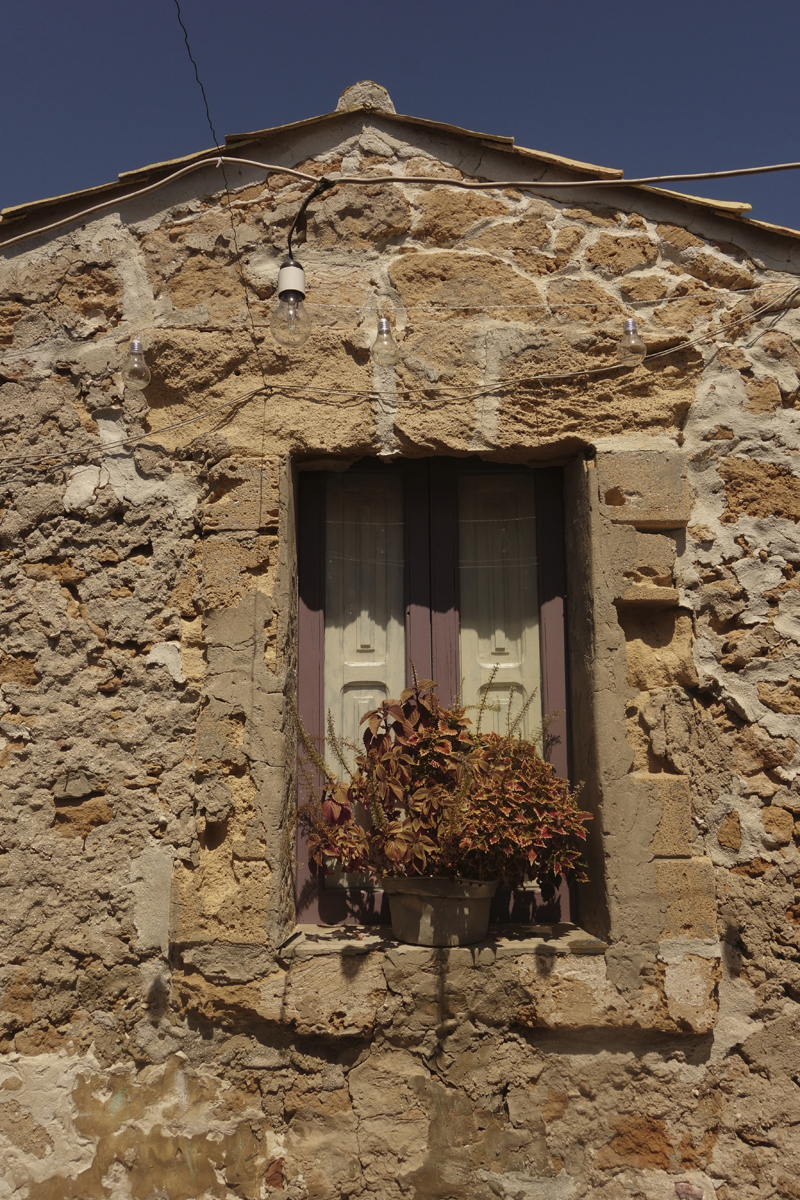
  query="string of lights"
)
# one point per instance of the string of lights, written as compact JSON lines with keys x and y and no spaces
{"x":290,"y":323}
{"x":715,"y":294}
{"x":354,"y":397}
{"x":612,"y":302}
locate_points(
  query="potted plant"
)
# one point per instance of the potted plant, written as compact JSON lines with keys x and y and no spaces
{"x":441,"y":815}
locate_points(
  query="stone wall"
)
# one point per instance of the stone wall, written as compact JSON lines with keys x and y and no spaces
{"x":166,"y":1032}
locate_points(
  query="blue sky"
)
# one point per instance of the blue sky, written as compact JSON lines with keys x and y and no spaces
{"x":89,"y":88}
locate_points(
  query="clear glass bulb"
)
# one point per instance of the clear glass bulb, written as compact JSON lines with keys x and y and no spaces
{"x":290,"y":324}
{"x":631,"y":349}
{"x":384,"y":350}
{"x":135,"y":371}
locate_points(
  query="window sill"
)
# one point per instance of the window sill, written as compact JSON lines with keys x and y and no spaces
{"x":310,"y":941}
{"x":341,"y":980}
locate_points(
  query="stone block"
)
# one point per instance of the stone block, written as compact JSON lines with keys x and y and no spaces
{"x":778,"y":825}
{"x":689,"y":986}
{"x":763,"y":395}
{"x":647,"y":489}
{"x":75,"y":786}
{"x":777,"y":1046}
{"x":577,"y":993}
{"x":454,"y":278}
{"x":673,"y":837}
{"x":658,"y":646}
{"x":444,"y":218}
{"x":615,"y":255}
{"x":389,"y":1092}
{"x":151,"y":877}
{"x":729,"y":834}
{"x":687,"y":889}
{"x":334,"y":995}
{"x":325,"y":1145}
{"x":232,"y":566}
{"x":365,"y":94}
{"x":644,"y":562}
{"x":230,"y":962}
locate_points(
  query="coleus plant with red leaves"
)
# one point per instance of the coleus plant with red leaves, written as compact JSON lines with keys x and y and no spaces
{"x":430,"y":796}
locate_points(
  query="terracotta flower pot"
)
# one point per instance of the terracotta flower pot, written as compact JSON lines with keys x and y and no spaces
{"x":438,"y":912}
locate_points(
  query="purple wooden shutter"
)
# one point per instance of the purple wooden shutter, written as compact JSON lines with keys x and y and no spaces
{"x":445,"y":668}
{"x":315,"y":903}
{"x":311,"y":654}
{"x":418,"y":571}
{"x":552,"y":611}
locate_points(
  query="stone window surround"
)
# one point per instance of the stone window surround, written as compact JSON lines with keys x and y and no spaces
{"x":648,"y":919}
{"x":599,"y":531}
{"x":547,"y":942}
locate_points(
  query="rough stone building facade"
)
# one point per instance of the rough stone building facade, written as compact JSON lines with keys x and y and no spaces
{"x":167,"y":1030}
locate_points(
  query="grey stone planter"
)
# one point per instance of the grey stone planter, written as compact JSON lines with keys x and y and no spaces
{"x":439,"y":912}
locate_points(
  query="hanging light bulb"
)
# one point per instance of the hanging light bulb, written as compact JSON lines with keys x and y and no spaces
{"x":384,"y":350}
{"x":631,"y":349}
{"x":135,"y":371}
{"x":290,"y":324}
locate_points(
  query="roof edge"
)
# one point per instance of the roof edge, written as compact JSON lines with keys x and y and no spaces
{"x":558,"y":160}
{"x":728,"y":207}
{"x":235,"y":138}
{"x":770,"y":228}
{"x":16,"y":211}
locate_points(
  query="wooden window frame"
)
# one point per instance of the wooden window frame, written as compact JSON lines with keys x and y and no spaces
{"x":432,"y":642}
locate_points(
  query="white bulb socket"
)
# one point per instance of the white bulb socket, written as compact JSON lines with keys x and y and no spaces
{"x":292,"y":278}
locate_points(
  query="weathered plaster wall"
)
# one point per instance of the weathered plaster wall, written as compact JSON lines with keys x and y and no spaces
{"x":163,"y":1032}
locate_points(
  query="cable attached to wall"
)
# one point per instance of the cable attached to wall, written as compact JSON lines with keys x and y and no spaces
{"x":520,"y":185}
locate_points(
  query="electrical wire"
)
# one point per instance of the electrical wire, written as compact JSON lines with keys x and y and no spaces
{"x":196,"y":74}
{"x":323,"y":185}
{"x":714,"y":294}
{"x":238,"y":252}
{"x":619,"y":181}
{"x":368,"y":180}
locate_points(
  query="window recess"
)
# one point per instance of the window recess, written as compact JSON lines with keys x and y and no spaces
{"x":456,"y":566}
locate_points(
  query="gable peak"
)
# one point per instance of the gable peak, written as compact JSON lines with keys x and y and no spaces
{"x":365,"y":94}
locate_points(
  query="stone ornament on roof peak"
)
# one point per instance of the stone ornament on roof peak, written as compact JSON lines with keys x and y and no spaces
{"x":365,"y":94}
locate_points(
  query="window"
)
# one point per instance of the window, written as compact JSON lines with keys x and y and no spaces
{"x":454,"y":565}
